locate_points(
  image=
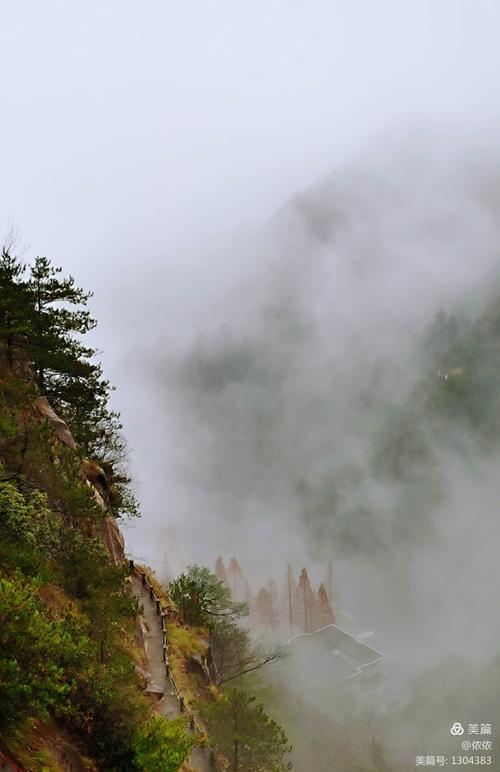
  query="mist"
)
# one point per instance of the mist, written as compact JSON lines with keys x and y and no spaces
{"x":274,"y":404}
{"x":272,"y":202}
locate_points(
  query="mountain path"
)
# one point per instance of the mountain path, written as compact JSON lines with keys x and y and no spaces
{"x":169,"y":704}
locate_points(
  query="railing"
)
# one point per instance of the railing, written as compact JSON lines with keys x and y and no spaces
{"x":194,"y":724}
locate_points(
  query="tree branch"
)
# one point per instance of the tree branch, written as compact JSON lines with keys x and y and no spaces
{"x":272,"y":656}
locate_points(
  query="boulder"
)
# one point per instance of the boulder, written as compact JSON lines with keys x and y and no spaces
{"x":197,"y":664}
{"x":43,"y":410}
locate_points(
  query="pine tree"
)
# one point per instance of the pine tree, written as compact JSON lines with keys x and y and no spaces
{"x":265,"y":606}
{"x":15,"y":307}
{"x":286,"y":605}
{"x":220,"y":571}
{"x":56,"y":354}
{"x":249,"y":739}
{"x":304,"y":602}
{"x":237,"y":581}
{"x":263,"y":609}
{"x":325,"y":612}
{"x":274,"y":599}
{"x":62,"y":365}
{"x":247,"y":593}
{"x":202,"y":600}
{"x":40,"y":323}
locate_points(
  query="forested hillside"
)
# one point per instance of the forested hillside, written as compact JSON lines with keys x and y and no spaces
{"x":69,"y":695}
{"x":73,"y":654}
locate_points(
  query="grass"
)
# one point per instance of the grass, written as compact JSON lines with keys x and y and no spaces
{"x":55,"y":598}
{"x":34,"y":746}
{"x":184,"y":643}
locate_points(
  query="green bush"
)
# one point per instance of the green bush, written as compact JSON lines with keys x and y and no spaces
{"x":161,"y":745}
{"x":28,"y":521}
{"x":38,"y":655}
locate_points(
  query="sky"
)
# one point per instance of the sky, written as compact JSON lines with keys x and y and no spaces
{"x":136,"y":137}
{"x":132,"y":131}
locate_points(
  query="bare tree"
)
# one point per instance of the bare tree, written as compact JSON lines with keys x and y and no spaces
{"x":233,"y":655}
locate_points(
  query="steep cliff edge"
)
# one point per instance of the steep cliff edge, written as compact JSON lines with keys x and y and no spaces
{"x":71,"y":696}
{"x":93,"y":474}
{"x":77,"y":690}
{"x":71,"y":654}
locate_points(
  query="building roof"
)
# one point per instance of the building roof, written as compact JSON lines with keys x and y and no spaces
{"x":342,"y":655}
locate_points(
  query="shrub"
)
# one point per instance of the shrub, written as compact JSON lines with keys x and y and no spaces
{"x":161,"y":745}
{"x":37,"y":655}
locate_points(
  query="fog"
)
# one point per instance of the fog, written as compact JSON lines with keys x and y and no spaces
{"x":272,"y":201}
{"x":268,"y":413}
{"x":289,"y":419}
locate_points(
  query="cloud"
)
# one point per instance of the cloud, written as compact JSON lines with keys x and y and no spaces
{"x":299,"y":408}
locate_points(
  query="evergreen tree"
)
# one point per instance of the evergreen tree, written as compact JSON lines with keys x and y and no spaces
{"x":236,"y":581}
{"x":273,"y":591}
{"x":262,"y":608}
{"x":304,"y":603}
{"x":247,"y":593}
{"x":220,"y":571}
{"x":15,"y":307}
{"x":325,"y":615}
{"x":230,"y":650}
{"x":246,"y":735}
{"x":58,"y":358}
{"x":202,"y":600}
{"x":41,"y":321}
{"x":64,"y":371}
{"x":286,"y":607}
{"x":265,"y":608}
